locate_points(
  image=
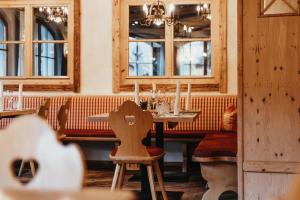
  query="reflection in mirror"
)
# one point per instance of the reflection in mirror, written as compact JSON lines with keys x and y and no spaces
{"x":11,"y":59}
{"x":45,"y":29}
{"x":12,"y":24}
{"x":192,"y":58}
{"x":272,"y":7}
{"x":190,"y":23}
{"x":50,"y":59}
{"x":139,"y":31}
{"x":146,"y":59}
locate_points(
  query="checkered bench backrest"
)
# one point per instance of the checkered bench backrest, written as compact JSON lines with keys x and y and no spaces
{"x":212,"y":108}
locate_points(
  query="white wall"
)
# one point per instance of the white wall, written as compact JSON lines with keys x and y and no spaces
{"x":96,"y":43}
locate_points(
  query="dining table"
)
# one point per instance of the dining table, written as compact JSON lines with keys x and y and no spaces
{"x":16,"y":113}
{"x":84,"y":194}
{"x":159,"y":121}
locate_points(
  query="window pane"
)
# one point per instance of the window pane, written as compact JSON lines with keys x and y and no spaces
{"x":49,"y":27}
{"x":190,"y":23}
{"x":271,"y":7}
{"x":192,"y":58}
{"x":11,"y":59}
{"x":50,"y":59}
{"x":146,"y":59}
{"x":12,"y":24}
{"x":139,"y":31}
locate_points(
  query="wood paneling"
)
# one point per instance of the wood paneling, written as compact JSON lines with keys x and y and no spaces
{"x":265,"y":186}
{"x":270,"y":100}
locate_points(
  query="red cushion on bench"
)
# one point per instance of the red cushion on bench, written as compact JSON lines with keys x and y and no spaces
{"x":89,"y":133}
{"x":153,"y":151}
{"x":109,"y":133}
{"x":217,"y":145}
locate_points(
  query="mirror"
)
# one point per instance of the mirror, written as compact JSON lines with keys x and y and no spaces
{"x":139,"y":31}
{"x":192,"y":58}
{"x":146,"y":59}
{"x":11,"y":41}
{"x":50,"y":57}
{"x":190,"y":23}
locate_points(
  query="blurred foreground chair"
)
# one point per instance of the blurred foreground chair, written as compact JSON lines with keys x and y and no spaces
{"x":31,"y":138}
{"x":131,"y":125}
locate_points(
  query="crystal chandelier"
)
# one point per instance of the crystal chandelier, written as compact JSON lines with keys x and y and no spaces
{"x":158,"y":14}
{"x":204,"y":11}
{"x":55,"y":14}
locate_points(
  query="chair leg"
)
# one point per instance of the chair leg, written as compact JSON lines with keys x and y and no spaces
{"x":151,"y":181}
{"x":160,"y":181}
{"x":32,"y":167}
{"x":121,"y":176}
{"x":115,"y":179}
{"x":21,"y":168}
{"x":184,"y":157}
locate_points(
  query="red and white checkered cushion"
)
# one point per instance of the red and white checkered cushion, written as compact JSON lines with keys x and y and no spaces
{"x":212,"y":109}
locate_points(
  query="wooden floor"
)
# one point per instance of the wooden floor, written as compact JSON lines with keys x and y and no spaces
{"x":192,"y":189}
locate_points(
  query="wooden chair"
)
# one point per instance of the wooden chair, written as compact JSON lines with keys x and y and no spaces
{"x":44,"y":109}
{"x":62,"y":117}
{"x":43,"y":113}
{"x":131,"y":125}
{"x":31,"y":138}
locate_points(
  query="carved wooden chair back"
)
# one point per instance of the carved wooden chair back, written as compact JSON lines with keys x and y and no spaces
{"x":44,"y":109}
{"x":31,"y":138}
{"x":62,"y":117}
{"x":131,"y":125}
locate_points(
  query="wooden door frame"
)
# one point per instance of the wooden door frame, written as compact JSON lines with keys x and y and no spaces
{"x":240,"y":156}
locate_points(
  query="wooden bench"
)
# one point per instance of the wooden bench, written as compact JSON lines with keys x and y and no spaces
{"x":79,"y":129}
{"x":216,"y":154}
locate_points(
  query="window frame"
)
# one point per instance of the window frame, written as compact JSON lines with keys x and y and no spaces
{"x":218,"y":80}
{"x":71,"y":82}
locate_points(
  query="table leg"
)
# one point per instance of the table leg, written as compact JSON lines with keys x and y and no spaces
{"x":159,"y":126}
{"x":145,"y":186}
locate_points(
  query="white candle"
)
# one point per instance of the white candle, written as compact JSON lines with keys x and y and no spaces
{"x":20,"y":97}
{"x":1,"y":97}
{"x":136,"y":93}
{"x":177,"y":99}
{"x":153,"y":90}
{"x":188,"y":98}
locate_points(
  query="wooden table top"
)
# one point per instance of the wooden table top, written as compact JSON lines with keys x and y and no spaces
{"x":15,"y":113}
{"x":85,"y":194}
{"x":182,"y":117}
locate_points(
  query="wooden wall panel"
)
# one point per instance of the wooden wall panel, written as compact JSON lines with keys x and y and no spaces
{"x":268,"y":187}
{"x":271,"y":100}
{"x":269,"y":85}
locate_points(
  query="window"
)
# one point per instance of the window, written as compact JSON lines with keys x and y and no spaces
{"x":192,"y":50}
{"x":3,"y":47}
{"x":39,"y":43}
{"x":279,"y":7}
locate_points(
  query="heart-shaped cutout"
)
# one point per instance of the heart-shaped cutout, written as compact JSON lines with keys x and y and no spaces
{"x":24,"y":170}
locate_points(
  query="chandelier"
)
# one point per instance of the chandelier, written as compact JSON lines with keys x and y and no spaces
{"x":204,"y":11}
{"x":55,"y":14}
{"x":158,"y":13}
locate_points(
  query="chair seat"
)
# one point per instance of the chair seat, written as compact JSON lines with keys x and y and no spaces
{"x":153,"y":151}
{"x":217,"y":145}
